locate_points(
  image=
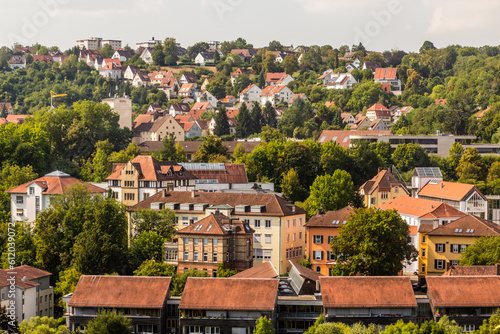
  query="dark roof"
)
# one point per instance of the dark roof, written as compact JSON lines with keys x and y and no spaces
{"x":216,"y":224}
{"x":264,"y":270}
{"x":468,"y":226}
{"x":121,"y":291}
{"x":384,"y":180}
{"x":330,"y":219}
{"x":229,"y":294}
{"x":181,"y":107}
{"x":305,"y":272}
{"x":190,"y":78}
{"x":365,"y":291}
{"x":54,"y":185}
{"x":463,"y":291}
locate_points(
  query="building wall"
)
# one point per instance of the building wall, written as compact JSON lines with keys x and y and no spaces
{"x":448,"y":255}
{"x":294,"y":239}
{"x":322,"y":247}
{"x":123,"y":107}
{"x":129,"y":193}
{"x":378,"y":197}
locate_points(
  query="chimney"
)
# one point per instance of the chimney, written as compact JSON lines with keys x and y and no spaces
{"x":441,"y":185}
{"x":293,"y":209}
{"x":193,"y":193}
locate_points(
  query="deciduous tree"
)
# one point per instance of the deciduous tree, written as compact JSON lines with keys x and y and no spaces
{"x":331,"y":192}
{"x":485,"y":251}
{"x":109,"y":322}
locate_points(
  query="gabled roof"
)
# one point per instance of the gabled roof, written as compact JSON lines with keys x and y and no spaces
{"x":386,"y":74}
{"x":300,"y":96}
{"x":380,"y":110}
{"x":422,"y":208}
{"x":24,"y":276}
{"x":463,"y":291}
{"x":365,"y":291}
{"x":449,"y":190}
{"x":274,"y":205}
{"x":384,"y":180}
{"x":254,"y":294}
{"x":223,"y":173}
{"x":215,"y":224}
{"x":372,"y":65}
{"x":330,"y":219}
{"x":237,"y":72}
{"x":275,"y":77}
{"x":473,"y":271}
{"x":185,"y":88}
{"x":189,"y":77}
{"x":467,"y":226}
{"x":151,"y":169}
{"x":54,"y":185}
{"x":121,"y":291}
{"x":263,"y":270}
{"x":180,"y":107}
{"x":305,"y":272}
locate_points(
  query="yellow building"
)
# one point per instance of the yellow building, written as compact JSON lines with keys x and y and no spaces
{"x":381,"y":189}
{"x":441,"y":247}
{"x":279,"y":225}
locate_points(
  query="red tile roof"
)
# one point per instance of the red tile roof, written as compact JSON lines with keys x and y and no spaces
{"x":449,"y":190}
{"x":342,"y":137}
{"x":422,"y":208}
{"x":230,"y":294}
{"x":121,"y":291}
{"x":305,"y":272}
{"x":215,"y":225}
{"x":467,"y":226}
{"x":327,"y":219}
{"x":275,"y":77}
{"x":386,"y":74}
{"x":463,"y":291}
{"x":22,"y":272}
{"x":364,"y":291}
{"x":473,"y":271}
{"x":53,"y":185}
{"x":383,"y":181}
{"x":248,"y":88}
{"x":232,"y":173}
{"x":264,"y":270}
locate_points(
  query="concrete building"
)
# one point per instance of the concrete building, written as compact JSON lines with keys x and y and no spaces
{"x":123,"y":107}
{"x":95,"y":43}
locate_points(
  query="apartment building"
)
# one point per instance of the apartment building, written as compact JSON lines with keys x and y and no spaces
{"x":382,"y":188}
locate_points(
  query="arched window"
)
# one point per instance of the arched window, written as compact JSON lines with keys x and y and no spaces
{"x":318,"y":269}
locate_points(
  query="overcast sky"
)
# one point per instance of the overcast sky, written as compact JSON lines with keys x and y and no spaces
{"x":378,"y":24}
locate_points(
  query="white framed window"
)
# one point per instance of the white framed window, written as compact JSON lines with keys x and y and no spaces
{"x":19,"y":199}
{"x":439,"y":264}
{"x":440,"y":248}
{"x":195,"y":256}
{"x":267,"y":238}
{"x":195,"y":241}
{"x":262,"y":254}
{"x":185,"y":221}
{"x":186,"y":256}
{"x":462,"y":248}
{"x":318,"y":239}
{"x":256,"y":223}
{"x":205,"y":241}
{"x":257,"y":237}
{"x":186,"y":241}
{"x":294,"y":222}
{"x":32,"y":190}
{"x":423,"y":252}
{"x":454,"y":262}
{"x":300,"y":221}
{"x":317,"y":255}
{"x":268,"y":223}
{"x":20,"y":212}
{"x":330,"y":256}
{"x":214,"y":242}
{"x":455,"y":248}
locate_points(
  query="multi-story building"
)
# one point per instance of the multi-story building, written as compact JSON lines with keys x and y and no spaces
{"x":278,"y":225}
{"x":464,"y":197}
{"x":29,"y":199}
{"x":95,"y":43}
{"x":469,"y":300}
{"x":213,"y":240}
{"x":320,"y":230}
{"x":423,"y":175}
{"x":143,"y":300}
{"x":444,"y":244}
{"x":30,"y":292}
{"x":155,"y":126}
{"x":227,"y":305}
{"x":421,"y":215}
{"x":144,"y":176}
{"x":379,"y":111}
{"x":123,"y":107}
{"x":388,"y":76}
{"x":382,"y":188}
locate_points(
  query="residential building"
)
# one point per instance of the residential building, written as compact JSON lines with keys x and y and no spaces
{"x":192,"y":129}
{"x":273,"y":79}
{"x":368,"y":299}
{"x":245,"y":54}
{"x":149,"y":44}
{"x":217,"y":176}
{"x":388,"y":76}
{"x":275,"y":94}
{"x":123,"y":107}
{"x":95,"y":43}
{"x":378,"y":125}
{"x":17,"y":61}
{"x":320,"y":231}
{"x":278,"y":224}
{"x":341,"y":81}
{"x":29,"y":199}
{"x":111,"y":70}
{"x":144,"y":176}
{"x":235,"y":74}
{"x":421,"y":215}
{"x":445,"y":243}
{"x":363,"y":123}
{"x":130,"y":72}
{"x":187,"y":78}
{"x":423,"y":175}
{"x":205,"y":58}
{"x":215,"y":239}
{"x":147,"y":56}
{"x":464,"y":197}
{"x":30,"y":292}
{"x":378,"y":111}
{"x":469,"y":300}
{"x":251,"y":93}
{"x":296,"y":97}
{"x":178,"y":109}
{"x":187,"y":90}
{"x":207,"y":97}
{"x":371,"y":65}
{"x":141,"y":299}
{"x":326,"y":77}
{"x":227,"y":305}
{"x":347,"y":118}
{"x":141,"y":79}
{"x":6,"y":106}
{"x":214,"y":45}
{"x":122,"y":55}
{"x":156,"y":126}
{"x":382,"y":188}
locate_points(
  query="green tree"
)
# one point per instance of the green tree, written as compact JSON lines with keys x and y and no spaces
{"x":373,"y":243}
{"x":291,"y":187}
{"x":263,"y":326}
{"x":7,"y":325}
{"x":167,"y":150}
{"x":492,"y":325}
{"x":471,"y":167}
{"x":107,"y":51}
{"x":427,"y":46}
{"x":171,"y":51}
{"x":154,"y":268}
{"x":25,"y":246}
{"x":485,"y":251}
{"x":291,"y":64}
{"x":221,"y":122}
{"x":179,"y":280}
{"x":126,"y":155}
{"x":223,"y":272}
{"x":331,"y":192}
{"x":409,"y":156}
{"x":261,"y":80}
{"x":257,"y":119}
{"x":275,"y":46}
{"x":147,"y":220}
{"x":180,"y":153}
{"x":210,"y":149}
{"x":147,"y":246}
{"x":455,"y":154}
{"x":401,"y":327}
{"x":244,"y":122}
{"x":109,"y":322}
{"x":332,"y":328}
{"x":44,"y":325}
{"x":101,"y":166}
{"x":269,"y":63}
{"x":269,"y":115}
{"x":239,"y":154}
{"x":217,"y":87}
{"x":158,"y":55}
{"x":68,"y":279}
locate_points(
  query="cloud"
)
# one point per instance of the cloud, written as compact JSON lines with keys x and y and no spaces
{"x":329,"y":6}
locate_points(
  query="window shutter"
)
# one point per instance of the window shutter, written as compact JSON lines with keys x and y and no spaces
{"x":322,"y":253}
{"x":435,"y":264}
{"x":436,"y":247}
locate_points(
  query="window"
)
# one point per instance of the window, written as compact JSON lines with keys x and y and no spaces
{"x":262,"y":254}
{"x":396,"y":189}
{"x":195,"y":241}
{"x":195,"y":256}
{"x":454,"y":262}
{"x":214,"y":257}
{"x":423,"y":239}
{"x":439,"y":264}
{"x":205,"y":241}
{"x":300,"y":221}
{"x":32,"y":190}
{"x":129,"y":196}
{"x":214,"y":242}
{"x":462,"y":248}
{"x":129,"y":183}
{"x":294,"y":222}
{"x":318,"y":239}
{"x":227,"y":257}
{"x":330,"y":239}
{"x":288,"y":223}
{"x":423,"y":252}
{"x":384,"y":195}
{"x":317,"y":255}
{"x":171,"y":255}
{"x":212,"y":330}
{"x":256,"y":223}
{"x":186,"y":256}
{"x":330,"y":256}
{"x":19,"y":200}
{"x":288,"y":237}
{"x":422,"y":269}
{"x":185,"y":221}
{"x":294,"y":236}
{"x":268,"y":223}
{"x":20,"y":212}
{"x":372,"y":201}
{"x":469,"y":328}
{"x":205,"y":257}
{"x":300,"y":235}
{"x":256,"y":237}
{"x":146,"y":195}
{"x":318,"y":269}
{"x":267,"y":238}
{"x":186,"y":241}
{"x":455,"y":248}
{"x":440,"y":248}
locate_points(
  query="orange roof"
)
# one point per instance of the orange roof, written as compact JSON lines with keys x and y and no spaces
{"x":204,"y":293}
{"x":467,"y":226}
{"x":237,"y":72}
{"x":441,"y":102}
{"x":247,"y":89}
{"x":121,"y":291}
{"x":473,"y":271}
{"x":301,"y":96}
{"x":463,"y":291}
{"x":264,"y":270}
{"x":422,"y":208}
{"x":274,"y":77}
{"x":214,"y":225}
{"x":331,"y":219}
{"x":18,"y":119}
{"x":52,"y":185}
{"x":386,"y":73}
{"x":364,"y":291}
{"x":384,"y":180}
{"x":201,"y":105}
{"x":449,"y":190}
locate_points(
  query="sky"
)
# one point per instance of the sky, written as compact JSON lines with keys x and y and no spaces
{"x":378,"y":24}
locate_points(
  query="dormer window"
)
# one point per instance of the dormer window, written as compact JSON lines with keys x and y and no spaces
{"x":32,"y":190}
{"x":169,"y":173}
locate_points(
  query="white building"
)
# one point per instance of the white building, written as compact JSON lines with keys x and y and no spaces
{"x":251,"y":93}
{"x":123,"y":107}
{"x":276,"y":94}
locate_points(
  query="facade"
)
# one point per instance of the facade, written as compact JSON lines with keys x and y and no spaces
{"x":320,"y":230}
{"x":17,"y":61}
{"x":145,"y":176}
{"x":227,"y":305}
{"x":207,"y":97}
{"x":423,"y":175}
{"x":378,"y":111}
{"x":368,"y":299}
{"x":32,"y":296}
{"x":155,"y":126}
{"x":141,"y":79}
{"x":178,"y":109}
{"x":445,"y":243}
{"x":276,"y":79}
{"x":464,"y":197}
{"x":111,"y":70}
{"x":251,"y":93}
{"x":279,"y":225}
{"x":213,"y":240}
{"x":340,"y":81}
{"x":29,"y":199}
{"x":388,"y":76}
{"x":469,"y":300}
{"x":130,"y":72}
{"x":123,"y":107}
{"x":275,"y":94}
{"x":382,"y":188}
{"x":95,"y":43}
{"x":141,"y":299}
